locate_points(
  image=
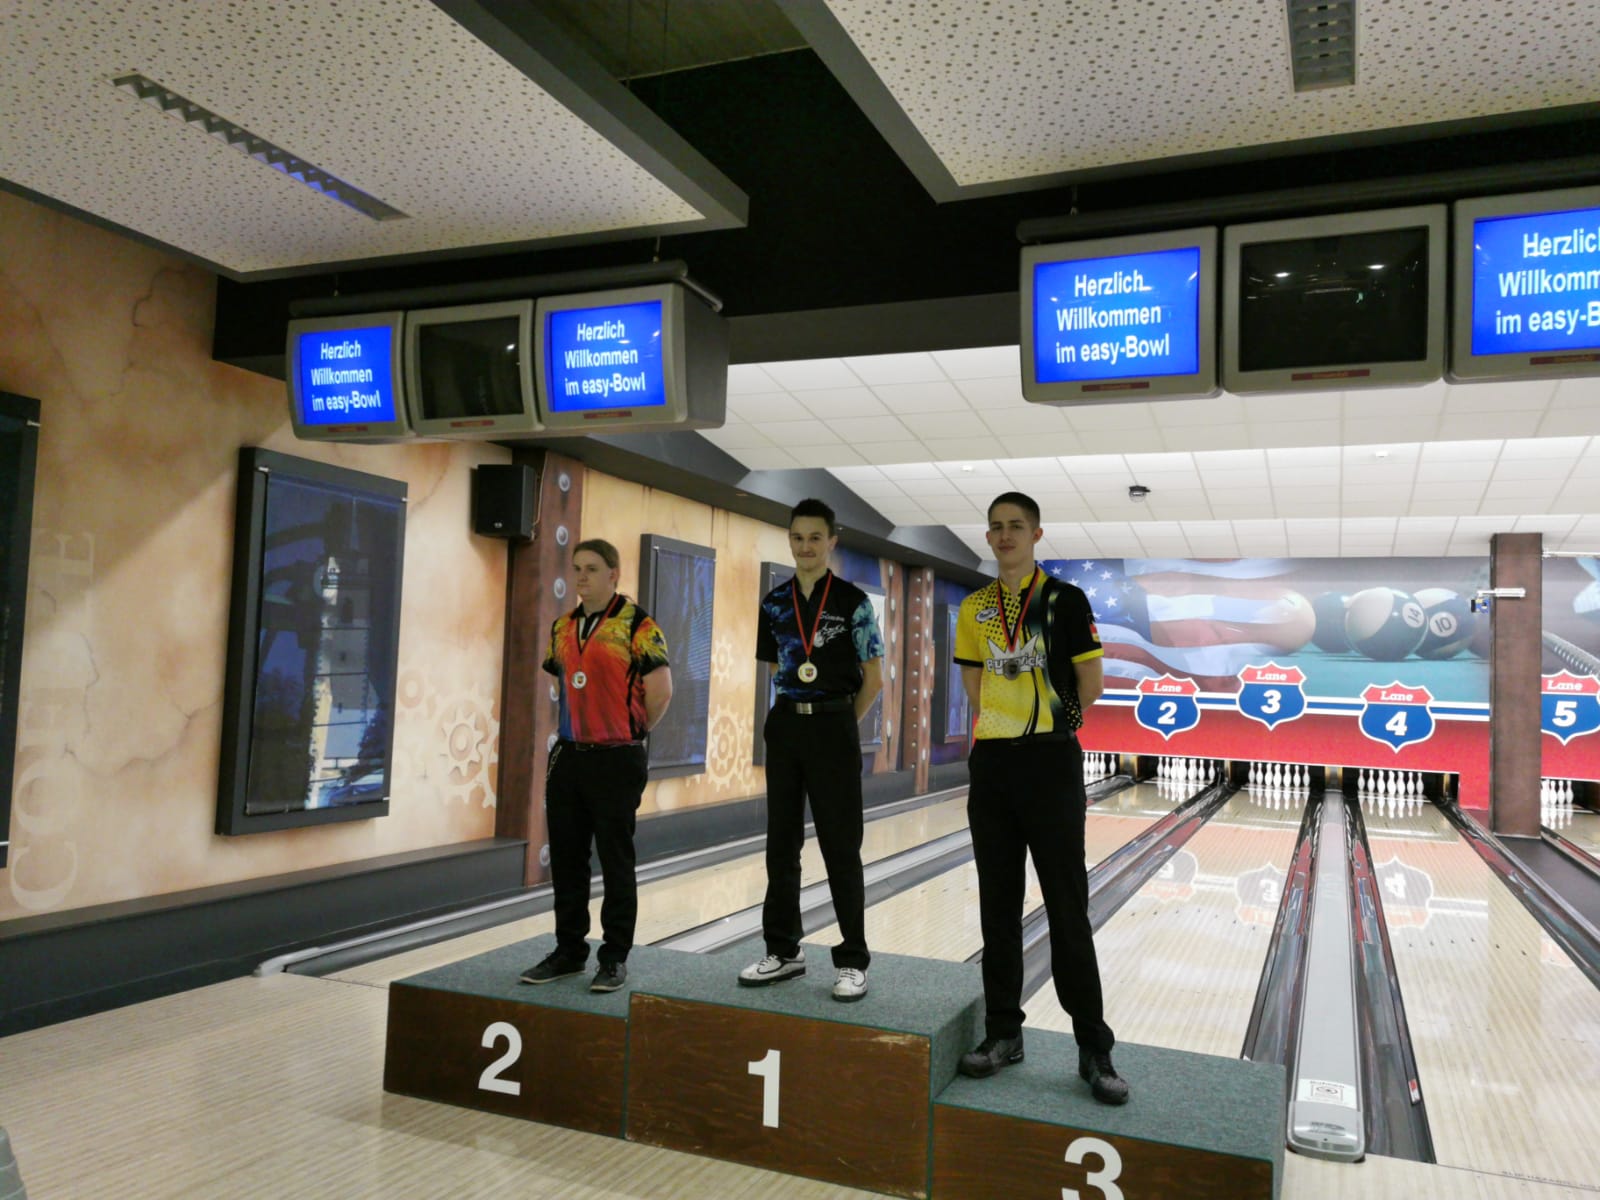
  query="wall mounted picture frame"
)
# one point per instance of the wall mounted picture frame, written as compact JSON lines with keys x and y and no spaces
{"x":19,"y":451}
{"x":677,"y":587}
{"x":313,"y":645}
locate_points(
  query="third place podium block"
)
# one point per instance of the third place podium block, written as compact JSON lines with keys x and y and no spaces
{"x":787,"y":1078}
{"x":1197,"y":1126}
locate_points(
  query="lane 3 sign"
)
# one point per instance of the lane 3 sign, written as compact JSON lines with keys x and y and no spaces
{"x":1272,"y":694}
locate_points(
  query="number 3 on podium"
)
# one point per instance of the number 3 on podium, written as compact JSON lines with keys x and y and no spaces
{"x":1103,"y":1179}
{"x":768,"y":1068}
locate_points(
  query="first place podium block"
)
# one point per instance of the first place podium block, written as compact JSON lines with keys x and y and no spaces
{"x":787,"y":1078}
{"x":1197,"y":1127}
{"x":470,"y":1034}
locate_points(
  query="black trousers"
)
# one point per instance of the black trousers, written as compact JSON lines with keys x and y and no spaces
{"x":592,"y":797}
{"x":819,"y":757}
{"x":1027,"y":796}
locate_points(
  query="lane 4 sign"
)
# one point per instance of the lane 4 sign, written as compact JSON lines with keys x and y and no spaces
{"x":1396,"y":714}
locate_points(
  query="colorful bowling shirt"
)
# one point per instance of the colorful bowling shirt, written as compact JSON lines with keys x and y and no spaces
{"x":847,"y":635}
{"x":602,"y":671}
{"x":1030,"y":685}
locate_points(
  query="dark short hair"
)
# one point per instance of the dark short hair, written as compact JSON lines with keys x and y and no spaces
{"x":814,"y":508}
{"x":1026,"y":503}
{"x":606,"y":551}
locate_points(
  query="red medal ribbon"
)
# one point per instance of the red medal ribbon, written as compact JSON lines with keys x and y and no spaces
{"x":1013,"y":633}
{"x":794,"y":594}
{"x":616,"y":602}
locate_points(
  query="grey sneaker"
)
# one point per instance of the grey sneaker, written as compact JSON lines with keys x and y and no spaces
{"x":772,"y":969}
{"x":609,"y":977}
{"x":990,"y":1055}
{"x":1095,"y":1069}
{"x":850,"y":985}
{"x":552,"y":967}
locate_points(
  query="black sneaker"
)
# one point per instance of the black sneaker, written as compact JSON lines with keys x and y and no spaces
{"x":551,"y":967}
{"x":609,"y":977}
{"x":992,"y":1054}
{"x":1095,"y":1067}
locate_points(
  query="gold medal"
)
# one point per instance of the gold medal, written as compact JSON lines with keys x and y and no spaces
{"x":579,"y":680}
{"x":807,"y":672}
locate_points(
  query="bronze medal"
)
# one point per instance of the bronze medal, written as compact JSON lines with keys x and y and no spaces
{"x":807,"y":671}
{"x":1011,"y":668}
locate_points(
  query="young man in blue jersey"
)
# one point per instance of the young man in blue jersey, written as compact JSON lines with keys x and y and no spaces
{"x":1031,"y":663}
{"x":822,"y":634}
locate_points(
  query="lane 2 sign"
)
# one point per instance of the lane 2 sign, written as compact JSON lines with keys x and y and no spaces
{"x":1167,"y":705}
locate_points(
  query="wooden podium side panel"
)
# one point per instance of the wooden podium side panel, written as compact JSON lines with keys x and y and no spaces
{"x":843,"y":1103}
{"x":979,"y":1155}
{"x":520,"y":1060}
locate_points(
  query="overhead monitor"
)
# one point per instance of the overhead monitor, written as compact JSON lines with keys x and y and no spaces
{"x":1344,"y":301}
{"x":469,"y":370}
{"x":344,"y":378}
{"x":1118,"y":319}
{"x":639,"y":359}
{"x":1527,"y":291}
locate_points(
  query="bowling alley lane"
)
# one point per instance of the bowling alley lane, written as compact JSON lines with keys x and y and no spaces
{"x":939,"y":918}
{"x":1505,"y":1026}
{"x":1180,"y":961}
{"x":1579,"y":826}
{"x":668,"y":906}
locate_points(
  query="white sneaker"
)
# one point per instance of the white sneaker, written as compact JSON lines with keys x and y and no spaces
{"x":850,"y":985}
{"x":772,"y":969}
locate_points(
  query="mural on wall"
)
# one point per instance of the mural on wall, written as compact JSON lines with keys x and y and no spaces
{"x":1374,"y":662}
{"x":1570,"y":703}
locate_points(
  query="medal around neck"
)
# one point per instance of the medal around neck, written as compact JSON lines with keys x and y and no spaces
{"x":807,"y":671}
{"x":579,"y":680}
{"x":1011,"y":668}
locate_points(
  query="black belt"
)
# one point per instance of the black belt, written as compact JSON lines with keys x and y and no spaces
{"x":808,"y":708}
{"x":1033,"y":739}
{"x":599,"y":745}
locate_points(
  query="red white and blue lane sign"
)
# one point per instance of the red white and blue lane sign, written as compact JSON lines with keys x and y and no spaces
{"x":1570,"y":705}
{"x":1167,"y":705}
{"x":1272,"y":694}
{"x":1396,"y":714}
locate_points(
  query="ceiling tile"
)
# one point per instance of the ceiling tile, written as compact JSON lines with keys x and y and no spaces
{"x":1296,"y":406}
{"x":1043,"y":443}
{"x":833,"y":403}
{"x":810,"y":373}
{"x":950,"y":425}
{"x":934,"y":396}
{"x":875,"y":369}
{"x":766,"y":458}
{"x":1380,"y":431}
{"x":1089,"y":418}
{"x":1206,"y":437}
{"x":853,"y":430}
{"x":749,"y":379}
{"x":1212,"y":410}
{"x":988,"y":362}
{"x":958,"y":449}
{"x":824,"y":456}
{"x":886,"y":453}
{"x":767,"y":406}
{"x":1460,"y":451}
{"x":1459,"y":426}
{"x":1501,"y":396}
{"x":1268,"y":434}
{"x":1568,"y":421}
{"x":803,"y":433}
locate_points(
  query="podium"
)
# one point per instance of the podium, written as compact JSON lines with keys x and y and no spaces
{"x":863,"y":1094}
{"x":1197,"y":1126}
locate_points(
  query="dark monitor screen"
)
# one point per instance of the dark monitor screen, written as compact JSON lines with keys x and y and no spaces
{"x":1344,"y":298}
{"x":469,"y":370}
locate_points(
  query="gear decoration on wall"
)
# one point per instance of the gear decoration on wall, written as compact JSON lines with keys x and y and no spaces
{"x":722,"y":660}
{"x":472,"y":748}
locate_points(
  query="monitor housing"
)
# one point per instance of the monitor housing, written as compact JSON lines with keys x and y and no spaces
{"x":645,"y":359}
{"x":469,"y":370}
{"x":1349,"y":300}
{"x":1527,"y":286}
{"x":1086,"y":306}
{"x":345,"y":378}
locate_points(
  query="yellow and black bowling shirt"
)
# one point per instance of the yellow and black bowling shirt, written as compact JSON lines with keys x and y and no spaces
{"x":1029,"y":685}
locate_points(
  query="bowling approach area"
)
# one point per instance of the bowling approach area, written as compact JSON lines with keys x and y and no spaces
{"x":430,"y":1071}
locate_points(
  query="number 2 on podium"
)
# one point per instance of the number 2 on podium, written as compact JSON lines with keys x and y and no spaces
{"x":768,"y":1069}
{"x":490,"y":1080}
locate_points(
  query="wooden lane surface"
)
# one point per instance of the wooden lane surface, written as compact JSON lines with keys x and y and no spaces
{"x":1180,"y":962}
{"x":1506,"y":1028}
{"x":670,"y":906}
{"x":939,"y":918}
{"x":1582,"y":828}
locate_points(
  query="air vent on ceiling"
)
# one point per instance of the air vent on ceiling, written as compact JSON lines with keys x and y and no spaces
{"x":258,"y":148}
{"x":1322,"y":43}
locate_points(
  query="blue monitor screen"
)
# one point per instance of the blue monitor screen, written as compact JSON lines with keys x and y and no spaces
{"x":1133,"y":315}
{"x":347,"y":376}
{"x":598,"y":359}
{"x":1536,"y":282}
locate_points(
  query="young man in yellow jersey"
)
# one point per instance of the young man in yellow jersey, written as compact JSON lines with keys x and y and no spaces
{"x":1031,"y":662}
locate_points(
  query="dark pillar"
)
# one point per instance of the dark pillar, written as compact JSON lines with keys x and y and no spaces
{"x":537,"y":591}
{"x":1515,"y":654}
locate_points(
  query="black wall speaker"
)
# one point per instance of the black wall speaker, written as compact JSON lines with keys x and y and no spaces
{"x":503,"y":501}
